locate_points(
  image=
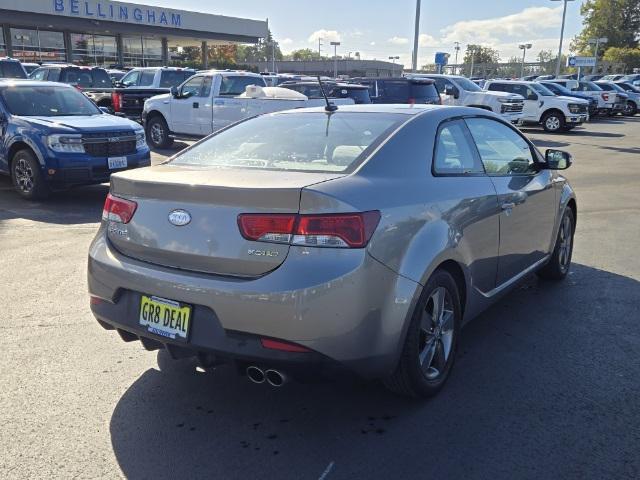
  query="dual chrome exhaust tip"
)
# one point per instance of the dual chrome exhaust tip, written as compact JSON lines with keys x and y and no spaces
{"x":275,"y":378}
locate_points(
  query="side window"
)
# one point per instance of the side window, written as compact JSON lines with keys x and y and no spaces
{"x":373,"y":93}
{"x":497,"y":87}
{"x":39,"y":74}
{"x":192,"y":87}
{"x":146,"y":78}
{"x":530,"y":94}
{"x":454,"y":153}
{"x":131,"y":78}
{"x":54,"y":74}
{"x":502,"y":150}
{"x":205,"y":92}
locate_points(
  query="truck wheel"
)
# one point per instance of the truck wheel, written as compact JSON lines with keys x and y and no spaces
{"x":27,"y":177}
{"x":158,"y":133}
{"x":553,"y":122}
{"x":630,"y":109}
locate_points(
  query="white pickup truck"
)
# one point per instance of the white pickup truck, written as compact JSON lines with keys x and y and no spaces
{"x":212,"y":100}
{"x":460,"y":91}
{"x":543,"y":107}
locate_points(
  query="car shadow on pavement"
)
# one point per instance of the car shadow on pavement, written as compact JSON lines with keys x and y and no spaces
{"x":172,"y":150}
{"x":549,"y":143}
{"x":69,"y":207}
{"x":543,"y":388}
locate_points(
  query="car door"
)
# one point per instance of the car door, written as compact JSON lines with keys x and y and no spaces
{"x":531,"y":108}
{"x":468,"y":202}
{"x":204,"y":112}
{"x":525,"y":195}
{"x":184,"y":108}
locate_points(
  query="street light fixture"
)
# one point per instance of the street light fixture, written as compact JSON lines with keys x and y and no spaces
{"x":524,"y":47}
{"x":335,"y":58}
{"x":597,"y":42}
{"x":393,"y":59}
{"x":564,"y":16}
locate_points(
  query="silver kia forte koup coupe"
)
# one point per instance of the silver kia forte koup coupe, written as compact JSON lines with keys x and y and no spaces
{"x":316,"y":242}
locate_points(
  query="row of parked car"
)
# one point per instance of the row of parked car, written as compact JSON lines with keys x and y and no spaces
{"x":97,"y":129}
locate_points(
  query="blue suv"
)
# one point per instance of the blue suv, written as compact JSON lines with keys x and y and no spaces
{"x":53,"y":137}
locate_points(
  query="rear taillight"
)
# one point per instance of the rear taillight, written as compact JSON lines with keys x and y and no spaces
{"x":340,"y":230}
{"x":116,"y":101}
{"x":282,"y":346}
{"x":118,"y":209}
{"x":605,"y":97}
{"x":276,"y":228}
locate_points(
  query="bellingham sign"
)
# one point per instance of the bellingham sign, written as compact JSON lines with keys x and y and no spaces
{"x":118,"y":12}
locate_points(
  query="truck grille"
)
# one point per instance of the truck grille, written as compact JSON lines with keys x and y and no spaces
{"x":583,"y":108}
{"x":111,"y":144}
{"x":512,"y":107}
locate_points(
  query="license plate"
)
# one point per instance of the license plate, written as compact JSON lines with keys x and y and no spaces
{"x":117,"y":162}
{"x":164,"y":317}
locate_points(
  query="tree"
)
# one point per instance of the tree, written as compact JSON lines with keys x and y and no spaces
{"x":479,"y":55}
{"x":618,"y":20}
{"x":304,"y":54}
{"x":261,"y":52}
{"x":629,"y":56}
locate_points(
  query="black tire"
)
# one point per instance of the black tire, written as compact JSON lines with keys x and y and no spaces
{"x":413,"y":377}
{"x":560,"y":262}
{"x":158,"y":133}
{"x":27,"y":177}
{"x":553,"y":122}
{"x":630,"y":109}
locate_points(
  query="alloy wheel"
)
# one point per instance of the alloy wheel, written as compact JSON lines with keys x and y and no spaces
{"x":157,"y":133}
{"x":436,"y":333}
{"x":566,"y":239}
{"x":552,"y":123}
{"x":24,"y":175}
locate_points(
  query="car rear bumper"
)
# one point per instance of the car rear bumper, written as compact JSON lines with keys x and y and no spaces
{"x":346,"y":307}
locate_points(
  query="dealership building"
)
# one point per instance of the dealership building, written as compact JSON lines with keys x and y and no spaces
{"x":104,"y":32}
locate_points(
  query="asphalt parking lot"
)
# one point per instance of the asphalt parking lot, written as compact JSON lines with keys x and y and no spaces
{"x":546,"y":386}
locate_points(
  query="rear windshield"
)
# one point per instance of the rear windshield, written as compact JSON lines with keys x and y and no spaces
{"x":359,"y":95}
{"x":173,"y":78}
{"x":11,"y":70}
{"x":47,"y":101}
{"x":423,"y":90}
{"x":313,"y":142}
{"x":234,"y":86}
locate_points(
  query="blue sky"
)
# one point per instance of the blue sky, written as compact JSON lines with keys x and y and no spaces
{"x":378,"y":29}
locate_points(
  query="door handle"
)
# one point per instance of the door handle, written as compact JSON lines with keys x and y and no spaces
{"x":196,"y":105}
{"x":508,"y":206}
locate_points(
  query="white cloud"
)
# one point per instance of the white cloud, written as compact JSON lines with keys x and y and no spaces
{"x":398,"y":41}
{"x":426,"y":40}
{"x":373,"y":44}
{"x":326,"y":36}
{"x":526,"y":23}
{"x":285,"y":41}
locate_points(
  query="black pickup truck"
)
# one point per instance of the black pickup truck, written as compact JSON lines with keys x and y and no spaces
{"x":140,"y":84}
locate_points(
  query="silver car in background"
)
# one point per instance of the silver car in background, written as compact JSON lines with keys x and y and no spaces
{"x":317,"y":242}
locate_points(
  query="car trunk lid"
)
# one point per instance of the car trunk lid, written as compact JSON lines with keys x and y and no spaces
{"x":210,"y":240}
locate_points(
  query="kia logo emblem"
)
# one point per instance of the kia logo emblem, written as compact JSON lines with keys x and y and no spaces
{"x":179,"y":218}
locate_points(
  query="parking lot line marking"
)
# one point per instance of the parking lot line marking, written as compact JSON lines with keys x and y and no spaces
{"x":327,"y":471}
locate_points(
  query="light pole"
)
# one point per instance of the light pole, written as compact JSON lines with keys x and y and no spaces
{"x":564,"y":16}
{"x":457,"y":49}
{"x":393,"y":59}
{"x":416,"y":37}
{"x":597,"y":42}
{"x":335,"y":58}
{"x":524,"y":47}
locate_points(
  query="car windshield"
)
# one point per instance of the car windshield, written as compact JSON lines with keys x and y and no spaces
{"x":467,"y":85}
{"x":618,"y":87}
{"x":313,"y":142}
{"x":47,"y":101}
{"x":11,"y":70}
{"x":542,"y":90}
{"x":173,"y":78}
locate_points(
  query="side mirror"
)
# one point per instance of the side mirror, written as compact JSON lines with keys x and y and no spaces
{"x":174,"y":92}
{"x":558,"y":159}
{"x":451,"y":91}
{"x":105,"y":110}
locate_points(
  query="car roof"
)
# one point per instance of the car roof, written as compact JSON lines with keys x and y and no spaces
{"x":31,"y":83}
{"x":398,"y":108}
